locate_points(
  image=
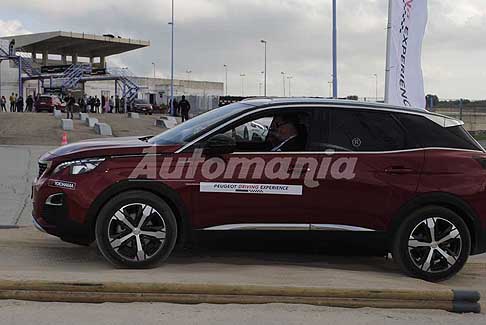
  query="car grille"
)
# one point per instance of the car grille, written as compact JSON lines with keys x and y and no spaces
{"x":42,"y":168}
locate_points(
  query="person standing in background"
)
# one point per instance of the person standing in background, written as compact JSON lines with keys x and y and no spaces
{"x":185,"y":107}
{"x":71,"y":101}
{"x":30,"y":103}
{"x":20,"y":104}
{"x":3,"y":104}
{"x":112,"y":104}
{"x":106,"y":108}
{"x":97,"y":104}
{"x":12,"y":103}
{"x":117,"y":104}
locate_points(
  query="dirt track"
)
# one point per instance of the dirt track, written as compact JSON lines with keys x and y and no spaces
{"x":44,"y":129}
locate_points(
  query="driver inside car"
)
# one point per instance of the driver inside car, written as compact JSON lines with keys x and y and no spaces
{"x":286,"y":134}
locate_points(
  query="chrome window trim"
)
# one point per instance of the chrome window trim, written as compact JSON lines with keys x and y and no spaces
{"x":436,"y":118}
{"x":330,"y":154}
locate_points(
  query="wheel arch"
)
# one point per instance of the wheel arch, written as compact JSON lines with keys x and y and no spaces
{"x":155,"y":187}
{"x":445,"y":200}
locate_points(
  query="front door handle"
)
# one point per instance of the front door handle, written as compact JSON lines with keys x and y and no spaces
{"x":299,"y":169}
{"x":399,"y":170}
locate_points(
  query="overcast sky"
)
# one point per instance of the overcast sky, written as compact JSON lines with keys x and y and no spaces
{"x":211,"y":33}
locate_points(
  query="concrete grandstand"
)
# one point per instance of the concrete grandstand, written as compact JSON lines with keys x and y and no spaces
{"x":61,"y":62}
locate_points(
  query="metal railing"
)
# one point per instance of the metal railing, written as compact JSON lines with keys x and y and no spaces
{"x":74,"y":74}
{"x":28,"y":66}
{"x":129,"y":87}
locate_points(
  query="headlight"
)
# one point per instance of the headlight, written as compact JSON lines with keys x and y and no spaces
{"x":79,"y":167}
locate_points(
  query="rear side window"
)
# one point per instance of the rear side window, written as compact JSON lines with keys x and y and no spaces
{"x":429,"y":134}
{"x":365,"y":131}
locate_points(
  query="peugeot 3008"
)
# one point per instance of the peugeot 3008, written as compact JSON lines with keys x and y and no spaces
{"x":415,"y":177}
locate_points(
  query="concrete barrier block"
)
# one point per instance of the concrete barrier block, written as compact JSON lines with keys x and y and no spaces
{"x":67,"y":124}
{"x":103,"y":129}
{"x":57,"y":114}
{"x":133,"y":115}
{"x":82,"y":116}
{"x":90,"y":121}
{"x":163,"y":123}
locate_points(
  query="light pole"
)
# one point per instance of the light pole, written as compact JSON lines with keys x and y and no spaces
{"x":154,"y":68}
{"x":334,"y":49}
{"x":226,"y":79}
{"x":265,"y":71}
{"x":188,"y":74}
{"x":290,"y":86}
{"x":283,"y":79}
{"x":376,"y":84}
{"x":173,"y":113}
{"x":242,"y":75}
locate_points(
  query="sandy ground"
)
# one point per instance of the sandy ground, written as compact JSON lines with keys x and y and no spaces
{"x":18,"y":312}
{"x":28,"y":254}
{"x":43,"y":129}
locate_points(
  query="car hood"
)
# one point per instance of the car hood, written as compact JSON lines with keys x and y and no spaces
{"x":107,"y":147}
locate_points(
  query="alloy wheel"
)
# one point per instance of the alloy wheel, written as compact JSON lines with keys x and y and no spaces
{"x":435,"y":245}
{"x":137,"y":232}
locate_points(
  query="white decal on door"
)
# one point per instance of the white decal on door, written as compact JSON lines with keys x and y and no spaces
{"x":250,"y":188}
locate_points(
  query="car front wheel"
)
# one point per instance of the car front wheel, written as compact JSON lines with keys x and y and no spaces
{"x":432,"y":244}
{"x":136,"y":229}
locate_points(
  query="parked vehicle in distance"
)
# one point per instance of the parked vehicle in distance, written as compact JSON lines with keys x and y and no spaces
{"x":48,"y":103}
{"x":412,"y":180}
{"x":141,"y":106}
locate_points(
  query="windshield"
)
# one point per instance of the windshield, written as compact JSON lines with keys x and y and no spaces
{"x":186,"y":131}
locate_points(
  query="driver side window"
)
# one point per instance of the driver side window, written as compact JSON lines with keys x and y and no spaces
{"x":280,"y":131}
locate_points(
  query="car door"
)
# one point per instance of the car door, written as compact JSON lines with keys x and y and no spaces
{"x":373,"y":169}
{"x":254,"y":192}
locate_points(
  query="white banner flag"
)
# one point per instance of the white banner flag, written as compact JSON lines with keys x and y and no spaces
{"x":405,"y":83}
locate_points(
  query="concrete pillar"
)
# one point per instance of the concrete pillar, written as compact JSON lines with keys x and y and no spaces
{"x":34,"y":56}
{"x":64,"y":59}
{"x":45,"y":57}
{"x":75,"y":58}
{"x":91,"y":60}
{"x":103,"y":61}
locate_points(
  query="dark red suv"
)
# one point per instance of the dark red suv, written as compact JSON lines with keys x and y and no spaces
{"x":49,"y":103}
{"x":412,"y":177}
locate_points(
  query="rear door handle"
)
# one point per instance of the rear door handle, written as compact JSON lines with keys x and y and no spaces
{"x":399,"y":170}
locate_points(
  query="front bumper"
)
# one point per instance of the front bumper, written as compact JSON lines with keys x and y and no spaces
{"x":53,"y":217}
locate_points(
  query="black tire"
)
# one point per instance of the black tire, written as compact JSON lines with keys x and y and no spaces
{"x":161,"y":218}
{"x":428,"y":263}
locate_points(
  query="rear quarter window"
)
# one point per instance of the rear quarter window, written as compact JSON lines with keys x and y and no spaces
{"x":430,"y":134}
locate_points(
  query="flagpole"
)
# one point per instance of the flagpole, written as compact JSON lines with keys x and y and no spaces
{"x":388,"y":51}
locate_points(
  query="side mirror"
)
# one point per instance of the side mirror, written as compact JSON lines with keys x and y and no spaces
{"x":219,"y":144}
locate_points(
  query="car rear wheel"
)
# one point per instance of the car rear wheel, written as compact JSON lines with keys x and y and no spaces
{"x":136,"y":229}
{"x":432,"y":244}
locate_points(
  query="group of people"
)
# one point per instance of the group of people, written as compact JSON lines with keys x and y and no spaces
{"x":88,"y":105}
{"x":16,"y":103}
{"x":104,"y":105}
